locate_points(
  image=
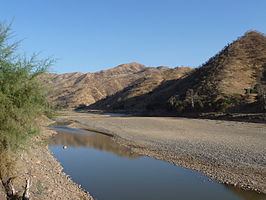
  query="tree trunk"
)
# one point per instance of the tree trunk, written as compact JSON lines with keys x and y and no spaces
{"x":26,"y":194}
{"x":12,"y":194}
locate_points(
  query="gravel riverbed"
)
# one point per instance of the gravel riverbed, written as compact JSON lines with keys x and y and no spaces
{"x":230,"y":152}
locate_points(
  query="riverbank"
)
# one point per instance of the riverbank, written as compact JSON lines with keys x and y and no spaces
{"x":239,"y":117}
{"x":48,"y":180}
{"x":230,"y":152}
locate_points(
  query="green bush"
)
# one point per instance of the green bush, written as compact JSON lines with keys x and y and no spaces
{"x":260,"y":89}
{"x":180,"y":106}
{"x":22,"y":96}
{"x":223,"y":103}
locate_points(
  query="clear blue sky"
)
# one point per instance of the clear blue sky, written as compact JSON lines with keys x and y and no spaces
{"x":91,"y":35}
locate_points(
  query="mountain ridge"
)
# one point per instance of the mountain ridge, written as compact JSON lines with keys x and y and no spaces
{"x":75,"y":89}
{"x":234,"y":76}
{"x":216,"y":85}
{"x":237,"y":67}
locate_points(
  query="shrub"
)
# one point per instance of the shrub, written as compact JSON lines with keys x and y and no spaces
{"x":223,"y":103}
{"x":260,"y":89}
{"x":180,"y":106}
{"x":22,"y":97}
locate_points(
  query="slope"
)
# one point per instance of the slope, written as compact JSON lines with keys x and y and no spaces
{"x":145,"y":93}
{"x":75,"y":89}
{"x":231,"y":78}
{"x":223,"y":81}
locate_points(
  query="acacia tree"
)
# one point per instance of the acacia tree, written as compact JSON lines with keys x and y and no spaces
{"x":22,"y":100}
{"x":190,"y":96}
{"x":261,"y":98}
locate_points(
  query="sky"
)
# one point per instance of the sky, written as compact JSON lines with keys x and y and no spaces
{"x":93,"y":35}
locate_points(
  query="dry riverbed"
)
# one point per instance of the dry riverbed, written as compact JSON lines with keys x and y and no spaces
{"x":230,"y":152}
{"x":48,"y":180}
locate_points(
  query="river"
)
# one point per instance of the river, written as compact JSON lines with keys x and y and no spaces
{"x":110,"y":171}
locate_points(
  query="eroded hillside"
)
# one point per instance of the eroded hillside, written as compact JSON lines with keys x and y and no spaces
{"x":225,"y":78}
{"x":147,"y":93}
{"x":233,"y":78}
{"x":75,"y":89}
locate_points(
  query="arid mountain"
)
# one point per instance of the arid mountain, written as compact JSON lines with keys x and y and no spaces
{"x":229,"y":79}
{"x":234,"y":78}
{"x":74,"y":89}
{"x":225,"y":78}
{"x":147,"y":93}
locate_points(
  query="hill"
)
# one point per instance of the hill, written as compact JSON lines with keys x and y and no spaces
{"x":75,"y":89}
{"x":147,"y":93}
{"x":234,"y":78}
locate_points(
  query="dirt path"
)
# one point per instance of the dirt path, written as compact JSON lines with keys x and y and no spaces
{"x":231,"y":152}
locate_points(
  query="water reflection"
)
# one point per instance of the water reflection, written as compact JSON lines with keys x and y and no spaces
{"x":80,"y":138}
{"x":247,"y":195}
{"x":130,"y":176}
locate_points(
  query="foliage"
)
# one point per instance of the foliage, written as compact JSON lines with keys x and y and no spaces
{"x":41,"y":189}
{"x":223,"y":103}
{"x":260,"y":89}
{"x":180,"y":106}
{"x":201,"y":104}
{"x":22,"y":97}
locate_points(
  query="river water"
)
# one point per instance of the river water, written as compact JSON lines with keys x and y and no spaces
{"x":110,"y":171}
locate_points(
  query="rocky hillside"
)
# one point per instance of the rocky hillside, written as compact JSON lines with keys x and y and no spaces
{"x":232,"y":78}
{"x":147,"y":93}
{"x":229,"y":78}
{"x":235,"y":78}
{"x":75,"y":89}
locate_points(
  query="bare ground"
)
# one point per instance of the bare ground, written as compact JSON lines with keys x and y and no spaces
{"x":48,"y":180}
{"x":230,"y":152}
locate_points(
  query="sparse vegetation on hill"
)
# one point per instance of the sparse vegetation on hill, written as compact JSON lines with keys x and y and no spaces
{"x":83,"y":89}
{"x":146,"y":93}
{"x":233,"y":80}
{"x":223,"y":81}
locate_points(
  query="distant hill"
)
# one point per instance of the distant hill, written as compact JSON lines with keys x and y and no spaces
{"x":230,"y":79}
{"x":75,"y":89}
{"x":147,"y":93}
